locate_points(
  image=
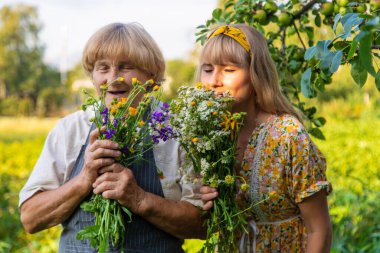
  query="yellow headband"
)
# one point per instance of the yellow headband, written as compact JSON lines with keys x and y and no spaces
{"x":234,"y":33}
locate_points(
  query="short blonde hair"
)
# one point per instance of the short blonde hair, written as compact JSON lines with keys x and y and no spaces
{"x":125,"y":41}
{"x":222,"y":49}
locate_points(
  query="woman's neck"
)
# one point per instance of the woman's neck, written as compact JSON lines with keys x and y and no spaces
{"x":252,"y":117}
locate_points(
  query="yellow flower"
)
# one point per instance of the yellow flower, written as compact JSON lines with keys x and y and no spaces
{"x":132,"y":111}
{"x":199,"y":85}
{"x":272,"y":194}
{"x":134,"y":81}
{"x":195,"y":140}
{"x":156,"y":88}
{"x":141,"y":123}
{"x":214,"y":113}
{"x":151,"y":81}
{"x":244,"y":187}
{"x":104,"y":86}
{"x":123,"y":100}
{"x":226,"y":123}
{"x":193,"y":103}
{"x":229,"y":179}
{"x":210,"y":103}
{"x":121,"y":79}
{"x":113,"y":110}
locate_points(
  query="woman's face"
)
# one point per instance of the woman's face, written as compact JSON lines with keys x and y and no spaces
{"x":228,"y":77}
{"x":107,"y":70}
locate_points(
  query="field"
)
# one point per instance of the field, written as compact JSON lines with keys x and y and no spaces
{"x":351,"y":150}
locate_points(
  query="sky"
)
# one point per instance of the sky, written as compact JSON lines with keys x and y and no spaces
{"x":67,"y":24}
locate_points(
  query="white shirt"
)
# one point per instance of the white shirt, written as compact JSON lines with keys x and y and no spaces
{"x":62,"y":147}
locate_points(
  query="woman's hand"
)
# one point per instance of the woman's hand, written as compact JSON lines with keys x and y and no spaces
{"x":118,"y":183}
{"x":208,"y":195}
{"x":99,"y":154}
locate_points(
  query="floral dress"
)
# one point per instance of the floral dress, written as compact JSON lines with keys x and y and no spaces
{"x":281,"y":157}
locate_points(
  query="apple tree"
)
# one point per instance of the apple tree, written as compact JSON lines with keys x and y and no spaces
{"x":306,"y":65}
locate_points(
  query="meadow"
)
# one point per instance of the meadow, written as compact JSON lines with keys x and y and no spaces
{"x":351,"y":148}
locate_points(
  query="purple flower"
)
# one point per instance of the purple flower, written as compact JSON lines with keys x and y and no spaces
{"x":109,"y":133}
{"x":115,"y":122}
{"x":104,"y":113}
{"x":159,"y":123}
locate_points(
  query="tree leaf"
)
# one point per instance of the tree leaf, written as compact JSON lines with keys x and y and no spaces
{"x":319,"y":121}
{"x":336,"y":61}
{"x":336,"y":20}
{"x":217,"y":13}
{"x":358,"y":72}
{"x":349,"y":21}
{"x":377,"y":80}
{"x":365,"y":55}
{"x":354,"y":46}
{"x":306,"y":89}
{"x":310,"y":52}
{"x":317,"y":133}
{"x":317,"y":20}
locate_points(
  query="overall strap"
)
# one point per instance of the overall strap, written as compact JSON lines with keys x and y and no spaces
{"x":141,"y":236}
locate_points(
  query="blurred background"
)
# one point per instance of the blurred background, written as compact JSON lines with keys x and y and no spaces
{"x":41,"y":79}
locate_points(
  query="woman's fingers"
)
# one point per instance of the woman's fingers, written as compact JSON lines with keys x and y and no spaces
{"x":115,"y":168}
{"x":208,"y":194}
{"x":207,"y":206}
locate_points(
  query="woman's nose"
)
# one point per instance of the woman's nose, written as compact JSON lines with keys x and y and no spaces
{"x":215,"y":80}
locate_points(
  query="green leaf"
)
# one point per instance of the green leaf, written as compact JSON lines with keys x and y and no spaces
{"x":306,"y":89}
{"x":319,"y":121}
{"x":216,"y":14}
{"x":129,"y":213}
{"x":377,"y":80}
{"x":365,"y":55}
{"x":310,"y":111}
{"x":354,"y":46}
{"x":358,"y":72}
{"x":317,"y":20}
{"x":336,"y":20}
{"x":317,"y":133}
{"x":341,"y":45}
{"x":336,"y":61}
{"x":349,"y":21}
{"x":310,"y":52}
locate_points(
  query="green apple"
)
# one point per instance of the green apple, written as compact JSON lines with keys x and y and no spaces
{"x":270,"y":7}
{"x":260,"y":16}
{"x":361,"y":8}
{"x":342,"y":3}
{"x":284,"y":19}
{"x":327,"y":9}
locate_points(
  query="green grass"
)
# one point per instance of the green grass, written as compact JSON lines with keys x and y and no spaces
{"x":351,"y":150}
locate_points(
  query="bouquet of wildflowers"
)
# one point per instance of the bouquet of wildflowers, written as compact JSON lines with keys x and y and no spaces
{"x":135,"y":129}
{"x":207,"y":130}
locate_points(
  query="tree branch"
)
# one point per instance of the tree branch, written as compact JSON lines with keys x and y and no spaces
{"x":299,"y":35}
{"x":306,"y":8}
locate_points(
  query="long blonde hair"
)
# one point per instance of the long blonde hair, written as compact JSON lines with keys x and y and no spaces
{"x":127,"y":41}
{"x":221,"y":49}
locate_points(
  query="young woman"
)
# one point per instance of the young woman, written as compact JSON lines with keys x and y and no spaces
{"x":74,"y":163}
{"x":275,"y":151}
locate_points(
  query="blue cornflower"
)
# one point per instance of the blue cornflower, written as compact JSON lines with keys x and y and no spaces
{"x":104,"y":113}
{"x":109,"y":133}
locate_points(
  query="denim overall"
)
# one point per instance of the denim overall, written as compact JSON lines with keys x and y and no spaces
{"x":140,"y":235}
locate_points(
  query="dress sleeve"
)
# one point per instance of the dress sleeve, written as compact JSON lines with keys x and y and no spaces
{"x":308,"y":167}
